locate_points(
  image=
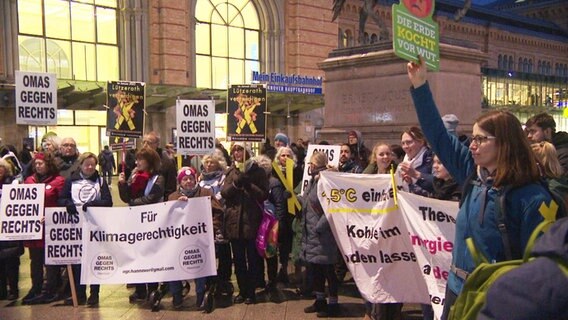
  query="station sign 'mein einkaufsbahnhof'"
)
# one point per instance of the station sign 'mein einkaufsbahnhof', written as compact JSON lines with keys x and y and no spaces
{"x":284,"y":83}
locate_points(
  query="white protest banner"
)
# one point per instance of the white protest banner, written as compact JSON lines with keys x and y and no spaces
{"x":195,"y":121}
{"x":372,"y":236}
{"x":22,"y":210}
{"x":332,"y":152}
{"x":432,"y":225}
{"x":391,"y":260}
{"x":63,"y":234}
{"x":159,"y":242}
{"x":36,"y":98}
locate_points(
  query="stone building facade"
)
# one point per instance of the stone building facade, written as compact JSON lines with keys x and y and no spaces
{"x":156,"y":44}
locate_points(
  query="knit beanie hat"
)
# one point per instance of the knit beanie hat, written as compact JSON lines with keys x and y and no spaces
{"x":282,"y":138}
{"x":237,"y":144}
{"x":186,"y":171}
{"x":39,"y":156}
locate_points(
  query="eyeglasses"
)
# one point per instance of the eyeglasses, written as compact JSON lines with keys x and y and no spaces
{"x":407,"y":143}
{"x":68,"y":145}
{"x":478,"y":139}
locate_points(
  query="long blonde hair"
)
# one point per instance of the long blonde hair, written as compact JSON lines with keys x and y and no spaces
{"x":373,"y":157}
{"x":547,"y":158}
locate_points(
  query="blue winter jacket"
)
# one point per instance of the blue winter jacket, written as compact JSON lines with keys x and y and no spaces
{"x":477,"y":217}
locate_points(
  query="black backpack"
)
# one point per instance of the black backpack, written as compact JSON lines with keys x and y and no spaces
{"x":102,"y":159}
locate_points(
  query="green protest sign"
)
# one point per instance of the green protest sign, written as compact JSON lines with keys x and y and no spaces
{"x":415,"y":33}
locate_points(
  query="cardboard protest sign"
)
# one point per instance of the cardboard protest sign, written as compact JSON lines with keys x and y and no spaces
{"x":36,"y":98}
{"x":396,"y":245}
{"x":122,"y":143}
{"x":415,"y":33}
{"x":63,"y":236}
{"x":125,"y":116}
{"x":22,"y":211}
{"x":246,"y":106}
{"x":333,"y":153}
{"x":195,"y":121}
{"x":158,"y":242}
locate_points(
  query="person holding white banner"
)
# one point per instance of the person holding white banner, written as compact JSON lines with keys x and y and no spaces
{"x":415,"y":171}
{"x":10,"y":251}
{"x":381,"y":162}
{"x":212,"y":177}
{"x":188,"y":188}
{"x":498,"y":157}
{"x":44,"y":171}
{"x":318,"y":244}
{"x":85,"y":188}
{"x":145,"y":186}
{"x":382,"y":159}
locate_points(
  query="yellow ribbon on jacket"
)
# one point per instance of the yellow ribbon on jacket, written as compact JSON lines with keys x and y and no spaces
{"x":288,"y":182}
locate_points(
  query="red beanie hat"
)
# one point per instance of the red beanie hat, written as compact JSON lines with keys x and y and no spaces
{"x":39,"y":156}
{"x":186,"y":171}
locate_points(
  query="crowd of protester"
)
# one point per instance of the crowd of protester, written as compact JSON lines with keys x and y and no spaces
{"x":432,"y":160}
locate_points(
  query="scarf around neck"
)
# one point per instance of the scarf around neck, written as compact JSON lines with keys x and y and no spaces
{"x":417,"y":160}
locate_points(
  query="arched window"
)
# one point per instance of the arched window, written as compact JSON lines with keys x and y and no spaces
{"x":227,"y":39}
{"x":548,"y":68}
{"x":539,"y":67}
{"x":499,"y":62}
{"x":350,"y":38}
{"x":530,"y":66}
{"x":510,"y":66}
{"x":347,"y":39}
{"x":525,"y":65}
{"x":374,"y":38}
{"x":520,"y":65}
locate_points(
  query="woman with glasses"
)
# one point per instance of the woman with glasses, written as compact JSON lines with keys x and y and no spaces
{"x":499,"y":157}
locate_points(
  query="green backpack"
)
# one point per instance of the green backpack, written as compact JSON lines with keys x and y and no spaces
{"x":472,"y":299}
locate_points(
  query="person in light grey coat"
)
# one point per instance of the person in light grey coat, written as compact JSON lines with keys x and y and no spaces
{"x":318,"y":244}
